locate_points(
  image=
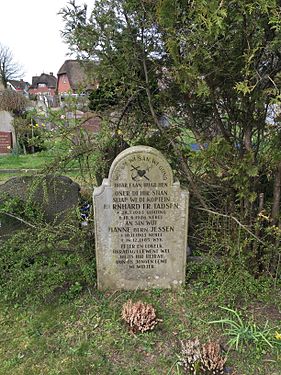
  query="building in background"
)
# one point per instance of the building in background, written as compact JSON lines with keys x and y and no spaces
{"x":43,"y":91}
{"x":19,"y":85}
{"x":45,"y":84}
{"x":74,"y":78}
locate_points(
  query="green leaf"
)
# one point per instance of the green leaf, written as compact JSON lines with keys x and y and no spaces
{"x":252,"y":171}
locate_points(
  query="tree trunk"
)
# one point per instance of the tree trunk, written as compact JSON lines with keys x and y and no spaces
{"x":276,"y":195}
{"x":248,"y":139}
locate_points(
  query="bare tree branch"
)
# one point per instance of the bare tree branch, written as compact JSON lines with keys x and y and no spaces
{"x":9,"y":69}
{"x":234,"y":219}
{"x":20,"y":219}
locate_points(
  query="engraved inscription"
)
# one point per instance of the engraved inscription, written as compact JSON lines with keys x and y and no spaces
{"x":143,"y":218}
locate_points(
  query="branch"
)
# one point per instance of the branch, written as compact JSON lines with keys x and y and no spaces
{"x":276,"y":194}
{"x":175,"y":147}
{"x":226,"y":134}
{"x":19,"y":219}
{"x":129,"y":101}
{"x":234,"y":219}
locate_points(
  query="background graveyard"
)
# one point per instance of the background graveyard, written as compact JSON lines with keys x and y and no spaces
{"x":203,"y":87}
{"x":55,"y":321}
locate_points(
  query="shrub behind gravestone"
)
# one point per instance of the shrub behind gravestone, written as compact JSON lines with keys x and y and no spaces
{"x":46,"y":263}
{"x":44,"y":253}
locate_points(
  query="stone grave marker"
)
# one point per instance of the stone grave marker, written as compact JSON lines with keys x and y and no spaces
{"x":5,"y":142}
{"x":56,"y":196}
{"x":141,"y":219}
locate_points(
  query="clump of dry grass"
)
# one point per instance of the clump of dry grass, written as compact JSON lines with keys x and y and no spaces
{"x":201,"y":359}
{"x":141,"y":317}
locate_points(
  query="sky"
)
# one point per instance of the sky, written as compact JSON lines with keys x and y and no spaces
{"x":31,"y":30}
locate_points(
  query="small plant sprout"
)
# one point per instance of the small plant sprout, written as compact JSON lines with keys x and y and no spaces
{"x":242,"y":333}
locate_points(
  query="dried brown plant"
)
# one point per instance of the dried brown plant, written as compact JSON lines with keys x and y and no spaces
{"x":191,"y":356}
{"x":212,"y":362}
{"x":205,"y":359}
{"x":141,"y":317}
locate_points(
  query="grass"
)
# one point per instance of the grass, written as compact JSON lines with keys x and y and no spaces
{"x":242,"y":333}
{"x":87,"y":336}
{"x":19,"y":165}
{"x":29,"y":161}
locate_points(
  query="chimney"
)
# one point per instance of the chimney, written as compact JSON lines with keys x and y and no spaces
{"x":51,"y":73}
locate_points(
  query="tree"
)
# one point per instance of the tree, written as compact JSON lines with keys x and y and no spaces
{"x":122,"y":41}
{"x":118,"y":38}
{"x":9,"y":69}
{"x":226,"y":59}
{"x":213,"y":68}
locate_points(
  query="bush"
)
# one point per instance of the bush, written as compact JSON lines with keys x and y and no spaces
{"x":46,"y":263}
{"x":12,"y":101}
{"x":226,"y":279}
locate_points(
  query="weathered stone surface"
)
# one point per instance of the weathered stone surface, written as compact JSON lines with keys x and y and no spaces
{"x":9,"y":226}
{"x":141,"y":223}
{"x":55,"y":195}
{"x":5,"y":142}
{"x":7,"y":132}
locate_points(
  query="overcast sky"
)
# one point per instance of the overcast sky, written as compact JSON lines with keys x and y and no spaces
{"x":31,"y":29}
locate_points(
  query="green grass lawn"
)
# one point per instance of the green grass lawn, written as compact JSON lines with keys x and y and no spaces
{"x":23,"y":164}
{"x":31,"y":164}
{"x":29,"y":161}
{"x":88,"y":336}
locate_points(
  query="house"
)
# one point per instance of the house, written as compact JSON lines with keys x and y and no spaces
{"x":20,"y":86}
{"x":45,"y":84}
{"x":73,"y":78}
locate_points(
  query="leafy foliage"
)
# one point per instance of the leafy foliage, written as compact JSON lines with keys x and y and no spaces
{"x":242,"y":333}
{"x":212,"y":69}
{"x":30,"y":136}
{"x":41,"y":261}
{"x":46,"y":264}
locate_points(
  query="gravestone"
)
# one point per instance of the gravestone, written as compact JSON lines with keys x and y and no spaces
{"x":5,"y":142}
{"x":56,"y":196}
{"x":7,"y":132}
{"x":140,"y":223}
